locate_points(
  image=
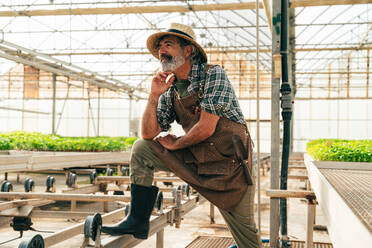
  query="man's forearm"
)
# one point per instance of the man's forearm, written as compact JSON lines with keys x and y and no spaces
{"x":194,"y":136}
{"x":150,"y":125}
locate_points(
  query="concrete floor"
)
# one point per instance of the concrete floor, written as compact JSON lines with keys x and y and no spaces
{"x":195,"y":223}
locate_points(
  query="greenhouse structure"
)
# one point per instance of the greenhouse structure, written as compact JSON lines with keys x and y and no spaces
{"x":75,"y":80}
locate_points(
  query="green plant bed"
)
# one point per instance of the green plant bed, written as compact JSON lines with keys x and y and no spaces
{"x":35,"y":141}
{"x":340,"y":150}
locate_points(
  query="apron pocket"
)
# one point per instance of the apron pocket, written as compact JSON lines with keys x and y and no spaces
{"x":224,"y":167}
{"x":207,"y":152}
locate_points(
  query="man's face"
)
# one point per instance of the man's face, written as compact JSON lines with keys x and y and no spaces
{"x":171,"y":53}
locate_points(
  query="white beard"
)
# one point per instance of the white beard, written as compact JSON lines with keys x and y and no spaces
{"x":174,"y":63}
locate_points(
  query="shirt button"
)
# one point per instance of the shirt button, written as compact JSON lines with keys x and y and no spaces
{"x":211,"y":143}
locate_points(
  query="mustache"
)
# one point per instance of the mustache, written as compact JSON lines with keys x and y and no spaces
{"x":166,"y":56}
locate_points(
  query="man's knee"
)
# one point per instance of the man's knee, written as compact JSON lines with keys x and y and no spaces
{"x":139,"y":146}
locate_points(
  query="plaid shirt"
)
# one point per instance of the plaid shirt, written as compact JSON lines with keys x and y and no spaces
{"x":218,"y":96}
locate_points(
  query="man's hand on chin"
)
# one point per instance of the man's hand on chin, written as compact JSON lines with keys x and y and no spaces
{"x":169,"y":141}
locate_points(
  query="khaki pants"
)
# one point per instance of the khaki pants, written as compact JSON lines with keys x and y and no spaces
{"x":143,"y":162}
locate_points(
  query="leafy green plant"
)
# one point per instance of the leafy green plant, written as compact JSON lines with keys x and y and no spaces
{"x":340,"y":150}
{"x":35,"y":141}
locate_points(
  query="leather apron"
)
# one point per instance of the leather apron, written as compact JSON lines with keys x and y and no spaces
{"x":210,"y":166}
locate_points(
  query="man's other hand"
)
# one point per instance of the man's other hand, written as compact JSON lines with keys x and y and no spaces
{"x":169,"y":142}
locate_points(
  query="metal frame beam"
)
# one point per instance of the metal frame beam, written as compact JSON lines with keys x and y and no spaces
{"x":47,"y":63}
{"x":214,"y":51}
{"x":309,"y":3}
{"x":131,"y":10}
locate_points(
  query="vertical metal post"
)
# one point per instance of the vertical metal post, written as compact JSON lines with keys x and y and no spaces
{"x":367,"y":89}
{"x":54,"y":103}
{"x":348,"y":77}
{"x":291,"y":63}
{"x":367,"y":76}
{"x":88,"y":114}
{"x":329,"y":80}
{"x":258,"y":115}
{"x":98,"y":109}
{"x":130,"y":115}
{"x":275,"y":130}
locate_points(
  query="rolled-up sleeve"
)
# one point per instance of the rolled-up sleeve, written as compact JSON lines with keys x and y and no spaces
{"x":218,"y":92}
{"x":165,"y":112}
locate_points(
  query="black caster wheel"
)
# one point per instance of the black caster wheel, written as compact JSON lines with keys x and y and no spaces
{"x":6,"y":186}
{"x":175,"y":189}
{"x":91,"y":225}
{"x":29,"y":185}
{"x":110,"y":172}
{"x":50,"y":183}
{"x":92,"y":176}
{"x":186,"y":189}
{"x":35,"y":242}
{"x":71,"y":181}
{"x":124,"y":171}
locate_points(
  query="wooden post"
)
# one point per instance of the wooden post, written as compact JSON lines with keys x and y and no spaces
{"x":73,"y":205}
{"x":105,"y":204}
{"x":275,"y":126}
{"x":160,"y":239}
{"x":310,"y":223}
{"x":211,"y":213}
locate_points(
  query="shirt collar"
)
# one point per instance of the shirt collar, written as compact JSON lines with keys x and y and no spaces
{"x":196,"y":69}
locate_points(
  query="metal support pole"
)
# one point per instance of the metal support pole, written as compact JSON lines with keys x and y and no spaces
{"x":275,"y":131}
{"x":130,"y":116}
{"x":54,"y":104}
{"x":291,"y":63}
{"x":367,"y":83}
{"x":88,"y":117}
{"x":258,"y":116}
{"x":348,"y":76}
{"x":98,"y":109}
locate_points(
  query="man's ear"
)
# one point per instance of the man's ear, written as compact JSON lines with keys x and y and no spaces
{"x":187,"y":51}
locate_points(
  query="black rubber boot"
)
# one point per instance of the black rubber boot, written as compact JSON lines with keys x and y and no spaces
{"x":138,"y":221}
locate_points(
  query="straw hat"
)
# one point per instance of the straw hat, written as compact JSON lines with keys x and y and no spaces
{"x":176,"y":29}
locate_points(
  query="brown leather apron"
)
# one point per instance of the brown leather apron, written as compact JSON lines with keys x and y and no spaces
{"x":209,"y":166}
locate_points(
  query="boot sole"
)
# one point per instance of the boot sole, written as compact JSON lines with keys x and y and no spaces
{"x":136,"y":235}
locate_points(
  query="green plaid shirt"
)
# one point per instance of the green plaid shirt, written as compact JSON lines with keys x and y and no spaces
{"x":218,"y":96}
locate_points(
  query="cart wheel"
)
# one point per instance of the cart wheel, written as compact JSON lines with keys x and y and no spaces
{"x":3,"y":185}
{"x":91,"y":225}
{"x":159,"y":200}
{"x":50,"y":183}
{"x":6,"y":187}
{"x":29,"y":185}
{"x":124,"y":171}
{"x":71,"y":180}
{"x":36,"y":242}
{"x":110,"y":172}
{"x":92,"y":176}
{"x":186,"y":189}
{"x":175,"y":188}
